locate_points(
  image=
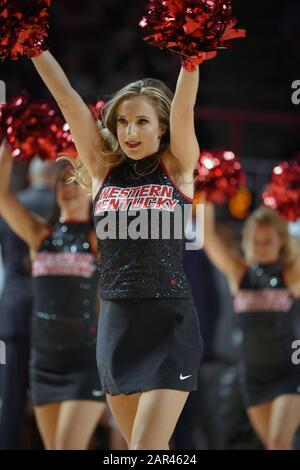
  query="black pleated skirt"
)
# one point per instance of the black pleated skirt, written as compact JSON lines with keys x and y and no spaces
{"x":146,"y":344}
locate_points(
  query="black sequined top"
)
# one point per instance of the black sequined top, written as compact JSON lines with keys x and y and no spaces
{"x":139,"y":223}
{"x":65,"y":289}
{"x":265,"y":317}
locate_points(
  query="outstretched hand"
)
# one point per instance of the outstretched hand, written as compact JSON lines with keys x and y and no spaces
{"x":190,"y":63}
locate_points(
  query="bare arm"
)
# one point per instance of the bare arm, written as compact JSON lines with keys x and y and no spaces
{"x":184,"y":144}
{"x":28,"y":227}
{"x":222,"y":256}
{"x":83,"y":126}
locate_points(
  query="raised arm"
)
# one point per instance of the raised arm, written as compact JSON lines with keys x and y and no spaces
{"x":83,"y":126}
{"x":184,"y":144}
{"x":27,"y":226}
{"x":223,"y":257}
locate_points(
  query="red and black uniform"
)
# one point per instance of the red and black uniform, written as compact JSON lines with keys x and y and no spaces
{"x":63,"y":359}
{"x":148,"y":335}
{"x":266,"y":323}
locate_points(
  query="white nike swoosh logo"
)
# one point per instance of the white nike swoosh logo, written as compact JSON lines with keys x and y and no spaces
{"x":96,"y":393}
{"x":182,"y":377}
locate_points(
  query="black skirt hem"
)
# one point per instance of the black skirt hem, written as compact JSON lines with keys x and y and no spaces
{"x":148,"y":387}
{"x":253,"y":399}
{"x":102,"y":399}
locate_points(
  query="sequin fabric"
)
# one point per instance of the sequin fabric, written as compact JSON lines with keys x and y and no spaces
{"x":147,"y":266}
{"x":264,"y":319}
{"x":65,"y":283}
{"x":263,"y":289}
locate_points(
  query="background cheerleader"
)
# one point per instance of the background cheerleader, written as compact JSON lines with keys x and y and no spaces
{"x":265,"y":284}
{"x":16,"y":306}
{"x":65,"y":387}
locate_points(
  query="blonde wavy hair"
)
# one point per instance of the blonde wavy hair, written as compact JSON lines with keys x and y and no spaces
{"x":265,"y":216}
{"x":161,"y":97}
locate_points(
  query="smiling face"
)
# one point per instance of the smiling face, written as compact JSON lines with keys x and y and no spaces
{"x":264,"y":243}
{"x":138,"y":127}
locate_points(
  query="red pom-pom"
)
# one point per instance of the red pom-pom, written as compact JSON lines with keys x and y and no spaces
{"x":34,"y":128}
{"x":11,"y":119}
{"x":37,"y":128}
{"x":219,"y":175}
{"x":192,"y":29}
{"x":23,"y":28}
{"x":283,"y":191}
{"x":11,"y":110}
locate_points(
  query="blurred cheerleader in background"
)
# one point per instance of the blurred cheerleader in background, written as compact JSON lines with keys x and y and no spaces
{"x":265,"y":284}
{"x":65,"y":389}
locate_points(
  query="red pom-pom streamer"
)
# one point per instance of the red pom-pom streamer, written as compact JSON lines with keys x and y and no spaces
{"x":10,"y":112}
{"x":193,"y":29}
{"x":30,"y":128}
{"x":219,"y":175}
{"x":283,"y":191}
{"x":37,"y":128}
{"x":23,"y":28}
{"x":34,"y":128}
